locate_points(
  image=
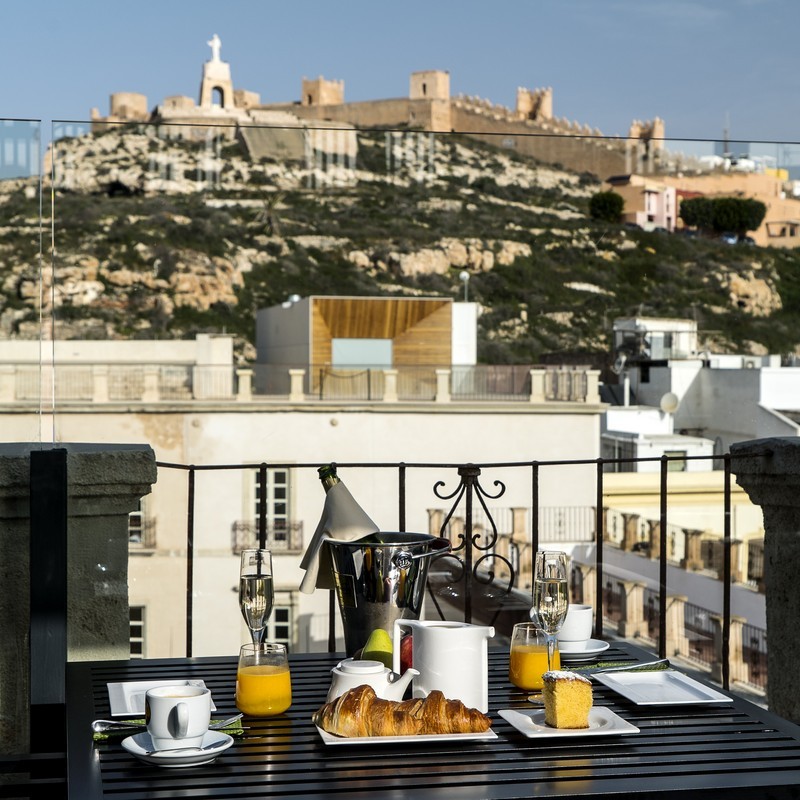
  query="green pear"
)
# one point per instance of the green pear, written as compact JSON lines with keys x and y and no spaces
{"x":378,"y":647}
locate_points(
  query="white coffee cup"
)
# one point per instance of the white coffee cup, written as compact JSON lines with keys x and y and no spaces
{"x":577,"y":626}
{"x":177,"y":716}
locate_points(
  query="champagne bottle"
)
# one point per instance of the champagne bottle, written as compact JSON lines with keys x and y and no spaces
{"x":342,"y":519}
{"x":328,"y":476}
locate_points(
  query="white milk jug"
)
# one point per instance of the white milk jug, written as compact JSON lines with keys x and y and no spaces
{"x":450,"y":656}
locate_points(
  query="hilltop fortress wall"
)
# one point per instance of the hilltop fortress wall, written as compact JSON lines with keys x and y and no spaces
{"x":529,"y":129}
{"x":573,"y":146}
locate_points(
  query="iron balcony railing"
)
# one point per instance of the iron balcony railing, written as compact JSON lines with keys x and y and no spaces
{"x":286,"y":537}
{"x":475,"y":545}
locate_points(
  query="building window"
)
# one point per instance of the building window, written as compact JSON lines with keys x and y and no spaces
{"x":137,"y":631}
{"x":279,"y":627}
{"x":277,"y":503}
{"x":679,"y":462}
{"x":136,"y":525}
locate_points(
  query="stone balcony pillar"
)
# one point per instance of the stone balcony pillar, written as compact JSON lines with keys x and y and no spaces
{"x":588,"y":582}
{"x":244,"y":385}
{"x":296,"y":392}
{"x":654,"y":538}
{"x":435,"y":520}
{"x":151,"y":392}
{"x":521,"y":538}
{"x":592,"y":386}
{"x":769,"y":471}
{"x":633,"y":623}
{"x":677,"y":641}
{"x":100,"y":383}
{"x":390,"y":386}
{"x":739,"y":668}
{"x":694,"y":556}
{"x":442,"y":385}
{"x":7,"y":383}
{"x":538,"y":386}
{"x":630,"y":532}
{"x":104,"y":484}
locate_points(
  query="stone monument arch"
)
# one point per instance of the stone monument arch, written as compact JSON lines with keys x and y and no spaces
{"x":216,"y":79}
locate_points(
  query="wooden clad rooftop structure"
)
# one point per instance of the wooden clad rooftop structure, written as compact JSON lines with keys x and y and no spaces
{"x":420,"y":328}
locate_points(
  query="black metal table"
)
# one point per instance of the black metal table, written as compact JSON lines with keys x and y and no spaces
{"x":734,"y":750}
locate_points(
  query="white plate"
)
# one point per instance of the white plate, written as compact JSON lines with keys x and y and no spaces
{"x":660,"y":688}
{"x":582,"y":651}
{"x":602,"y":722}
{"x":138,"y":745}
{"x":329,"y":738}
{"x":127,"y":699}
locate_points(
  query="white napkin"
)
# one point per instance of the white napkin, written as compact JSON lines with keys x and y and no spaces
{"x":342,"y":519}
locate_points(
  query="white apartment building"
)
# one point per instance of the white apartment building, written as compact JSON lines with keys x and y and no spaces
{"x":190,"y":403}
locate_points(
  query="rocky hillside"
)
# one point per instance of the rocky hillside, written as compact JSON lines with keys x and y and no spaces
{"x":156,"y":238}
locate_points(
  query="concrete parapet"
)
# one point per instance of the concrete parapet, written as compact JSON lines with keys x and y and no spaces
{"x":104,"y":484}
{"x":769,"y":471}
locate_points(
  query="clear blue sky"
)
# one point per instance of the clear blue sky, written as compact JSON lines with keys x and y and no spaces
{"x":695,"y":63}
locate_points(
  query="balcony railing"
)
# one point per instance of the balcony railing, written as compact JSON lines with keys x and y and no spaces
{"x":486,"y":554}
{"x":285,"y":537}
{"x":100,"y":383}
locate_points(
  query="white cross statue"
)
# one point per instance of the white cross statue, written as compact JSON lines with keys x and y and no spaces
{"x":215,"y":45}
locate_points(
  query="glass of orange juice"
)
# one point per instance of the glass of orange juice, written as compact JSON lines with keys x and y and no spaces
{"x":263,"y":684}
{"x":528,"y":659}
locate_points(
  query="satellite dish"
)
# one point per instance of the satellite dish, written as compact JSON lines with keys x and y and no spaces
{"x":619,"y":364}
{"x":670,"y":403}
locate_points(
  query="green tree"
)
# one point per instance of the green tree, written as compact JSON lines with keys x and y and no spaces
{"x":720,"y":214}
{"x":606,"y":206}
{"x":697,"y":212}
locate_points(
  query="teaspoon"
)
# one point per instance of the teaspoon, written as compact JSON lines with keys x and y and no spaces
{"x":103,"y":725}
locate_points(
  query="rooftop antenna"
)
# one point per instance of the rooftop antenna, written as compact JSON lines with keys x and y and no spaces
{"x":726,"y":132}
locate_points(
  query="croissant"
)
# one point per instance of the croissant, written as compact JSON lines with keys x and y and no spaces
{"x":360,"y":712}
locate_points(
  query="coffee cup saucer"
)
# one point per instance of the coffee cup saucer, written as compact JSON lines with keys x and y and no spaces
{"x":581,"y":651}
{"x":141,"y":746}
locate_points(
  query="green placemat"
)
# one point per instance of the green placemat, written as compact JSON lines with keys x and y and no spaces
{"x":234,"y":729}
{"x":618,"y":667}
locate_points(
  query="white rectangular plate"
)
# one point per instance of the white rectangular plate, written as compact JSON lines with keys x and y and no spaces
{"x":602,"y":722}
{"x":329,"y":738}
{"x":127,"y":699}
{"x":660,"y":688}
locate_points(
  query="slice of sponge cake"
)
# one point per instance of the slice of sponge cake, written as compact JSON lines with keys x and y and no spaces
{"x":567,"y":699}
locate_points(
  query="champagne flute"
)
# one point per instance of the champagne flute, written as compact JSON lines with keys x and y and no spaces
{"x":550,"y":598}
{"x":255,"y":590}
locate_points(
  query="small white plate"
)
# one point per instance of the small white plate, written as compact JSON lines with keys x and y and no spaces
{"x":329,"y":738}
{"x":127,"y":699}
{"x":602,"y":722}
{"x":582,"y":651}
{"x":138,"y":745}
{"x":660,"y":688}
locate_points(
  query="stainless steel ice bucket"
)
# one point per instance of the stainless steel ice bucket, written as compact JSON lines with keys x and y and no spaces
{"x":379,"y":579}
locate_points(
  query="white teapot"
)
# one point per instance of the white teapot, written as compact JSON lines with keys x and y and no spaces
{"x":351,"y":672}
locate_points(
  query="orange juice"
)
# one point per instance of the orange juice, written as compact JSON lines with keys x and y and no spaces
{"x":264,"y":690}
{"x":527,"y":664}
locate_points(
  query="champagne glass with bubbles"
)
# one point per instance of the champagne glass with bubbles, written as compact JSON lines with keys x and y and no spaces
{"x":255,"y":590}
{"x":550,"y":598}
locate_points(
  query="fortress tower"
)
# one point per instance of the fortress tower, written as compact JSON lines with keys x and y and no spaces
{"x":535,"y":104}
{"x":432,"y":84}
{"x":651,"y":132}
{"x":320,"y":92}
